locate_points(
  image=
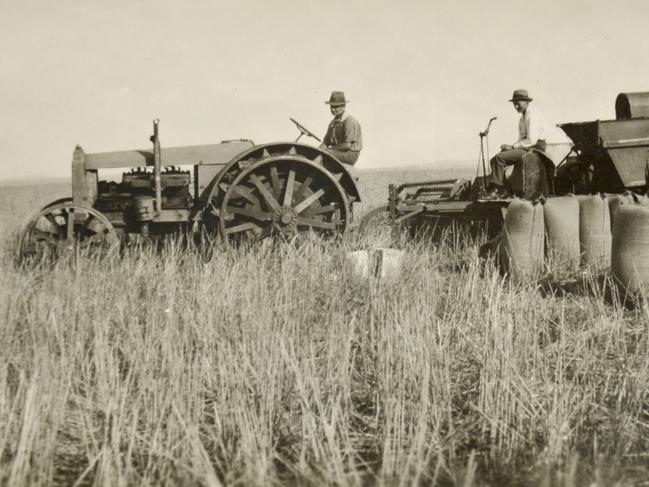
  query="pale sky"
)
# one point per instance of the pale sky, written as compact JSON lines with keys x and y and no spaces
{"x":423,"y":77}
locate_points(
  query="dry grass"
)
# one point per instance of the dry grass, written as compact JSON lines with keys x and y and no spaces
{"x":275,"y":365}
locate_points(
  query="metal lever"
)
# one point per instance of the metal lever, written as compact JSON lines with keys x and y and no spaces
{"x":486,"y":131}
{"x":157,"y":166}
{"x":483,"y":136}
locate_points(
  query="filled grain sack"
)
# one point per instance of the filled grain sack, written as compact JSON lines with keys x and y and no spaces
{"x":521,"y":249}
{"x":614,"y":202}
{"x":561,"y":216}
{"x":630,"y":247}
{"x":529,"y":177}
{"x":595,"y":231}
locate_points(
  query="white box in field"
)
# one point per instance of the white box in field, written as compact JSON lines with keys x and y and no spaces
{"x":359,"y":263}
{"x":388,"y":262}
{"x":381,"y":263}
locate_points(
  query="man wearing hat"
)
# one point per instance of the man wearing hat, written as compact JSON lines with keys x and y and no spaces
{"x":531,"y":135}
{"x":343,"y":139}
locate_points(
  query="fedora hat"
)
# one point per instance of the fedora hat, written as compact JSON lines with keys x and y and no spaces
{"x":520,"y":95}
{"x":336,"y":99}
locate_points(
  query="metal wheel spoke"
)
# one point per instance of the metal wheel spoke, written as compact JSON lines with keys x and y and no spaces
{"x":240,"y":192}
{"x":42,"y":234}
{"x":308,"y":201}
{"x":274,"y":178}
{"x":52,"y":219}
{"x":263,"y":189}
{"x":246,"y":194}
{"x":290,"y":183}
{"x":255,"y":213}
{"x":90,"y":241}
{"x":243,"y":227}
{"x":324,"y":209}
{"x":303,"y":187}
{"x":316,"y":223}
{"x":70,"y":224}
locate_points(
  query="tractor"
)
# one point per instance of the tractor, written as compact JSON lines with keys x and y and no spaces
{"x":234,"y":190}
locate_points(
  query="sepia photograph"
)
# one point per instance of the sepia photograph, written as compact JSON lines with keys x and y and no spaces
{"x":324,"y":243}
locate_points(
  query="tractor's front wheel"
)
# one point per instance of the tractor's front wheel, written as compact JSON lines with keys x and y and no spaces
{"x":61,"y":227}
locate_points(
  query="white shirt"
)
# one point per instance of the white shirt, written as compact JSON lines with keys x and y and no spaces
{"x":531,"y":128}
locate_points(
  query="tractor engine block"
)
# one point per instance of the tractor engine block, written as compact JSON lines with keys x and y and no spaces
{"x":175,"y":184}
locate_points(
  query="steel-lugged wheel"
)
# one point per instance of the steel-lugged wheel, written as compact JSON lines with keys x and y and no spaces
{"x":213,"y":196}
{"x":377,"y":226}
{"x":60,"y":227}
{"x":283,"y":196}
{"x":377,"y":217}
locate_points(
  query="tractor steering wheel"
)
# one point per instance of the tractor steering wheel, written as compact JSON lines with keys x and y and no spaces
{"x":304,"y":131}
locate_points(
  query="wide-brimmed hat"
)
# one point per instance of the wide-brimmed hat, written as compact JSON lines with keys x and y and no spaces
{"x":520,"y":95}
{"x":336,"y":99}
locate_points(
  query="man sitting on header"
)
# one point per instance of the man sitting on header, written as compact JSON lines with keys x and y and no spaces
{"x":531,"y":135}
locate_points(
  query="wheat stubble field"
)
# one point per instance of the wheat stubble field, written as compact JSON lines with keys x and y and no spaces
{"x":274,"y":366}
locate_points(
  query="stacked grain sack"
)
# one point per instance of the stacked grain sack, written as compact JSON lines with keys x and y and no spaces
{"x":562,"y":230}
{"x":521,"y":248}
{"x":630,"y":247}
{"x":614,"y":202}
{"x":595,"y":231}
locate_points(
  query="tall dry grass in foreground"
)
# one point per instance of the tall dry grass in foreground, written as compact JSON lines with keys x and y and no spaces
{"x":275,"y":365}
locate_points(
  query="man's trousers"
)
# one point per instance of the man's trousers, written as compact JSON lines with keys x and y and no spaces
{"x":500,"y":161}
{"x":348,"y":157}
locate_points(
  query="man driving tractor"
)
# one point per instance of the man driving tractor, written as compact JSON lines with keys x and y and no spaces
{"x":343,"y":139}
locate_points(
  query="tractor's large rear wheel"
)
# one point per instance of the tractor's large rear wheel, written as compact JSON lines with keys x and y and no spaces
{"x":284,"y":196}
{"x":60,"y":227}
